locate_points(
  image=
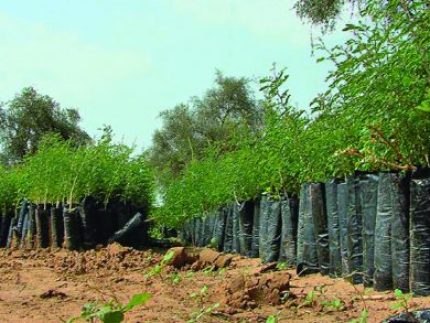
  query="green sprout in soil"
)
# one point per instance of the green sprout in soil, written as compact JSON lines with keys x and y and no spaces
{"x":403,"y":301}
{"x":200,"y":295}
{"x":310,"y":299}
{"x":175,"y":278}
{"x":272,"y":319}
{"x":282,"y":265}
{"x":197,"y":316}
{"x":362,"y":318}
{"x":157,"y":269}
{"x":336,"y":305}
{"x":110,"y":312}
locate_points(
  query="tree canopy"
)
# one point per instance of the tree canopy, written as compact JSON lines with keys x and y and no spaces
{"x":189,"y":129}
{"x":29,"y":116}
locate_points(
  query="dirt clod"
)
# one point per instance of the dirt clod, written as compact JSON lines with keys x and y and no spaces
{"x":53,"y":293}
{"x":249,"y":291}
{"x":199,"y":258}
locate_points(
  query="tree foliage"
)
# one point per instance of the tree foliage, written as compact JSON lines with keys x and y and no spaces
{"x":61,"y":172}
{"x":189,"y":129}
{"x":29,"y":116}
{"x":373,"y":117}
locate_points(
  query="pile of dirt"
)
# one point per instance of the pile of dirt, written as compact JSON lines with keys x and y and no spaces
{"x":199,"y":258}
{"x":247,"y":291}
{"x":112,"y":258}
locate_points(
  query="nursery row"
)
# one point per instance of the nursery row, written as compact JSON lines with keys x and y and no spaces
{"x":374,"y":117}
{"x":63,"y":173}
{"x":371,"y":228}
{"x":76,"y":227}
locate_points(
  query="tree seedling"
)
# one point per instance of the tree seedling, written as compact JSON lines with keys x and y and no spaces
{"x":110,"y":312}
{"x":403,"y":301}
{"x":334,"y":305}
{"x":362,"y":318}
{"x":157,"y":269}
{"x":201,"y":294}
{"x":272,"y":319}
{"x":208,"y":271}
{"x":282,"y":265}
{"x":310,"y":300}
{"x":175,"y":278}
{"x":197,"y":316}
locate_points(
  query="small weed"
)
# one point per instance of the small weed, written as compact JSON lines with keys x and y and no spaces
{"x":196,"y":316}
{"x":157,"y":269}
{"x":200,"y":295}
{"x":334,"y":305}
{"x":175,"y":278}
{"x":362,"y":318}
{"x":110,"y":312}
{"x":310,"y":300}
{"x":222,"y":271}
{"x":167,"y":258}
{"x":365,"y":312}
{"x":272,"y":319}
{"x":209,"y":271}
{"x":403,"y":301}
{"x":189,"y":274}
{"x":282,"y":265}
{"x":213,"y":243}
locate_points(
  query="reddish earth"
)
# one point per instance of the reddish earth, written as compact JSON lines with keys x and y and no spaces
{"x":52,"y":286}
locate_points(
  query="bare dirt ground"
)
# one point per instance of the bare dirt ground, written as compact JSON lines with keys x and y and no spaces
{"x":52,"y":286}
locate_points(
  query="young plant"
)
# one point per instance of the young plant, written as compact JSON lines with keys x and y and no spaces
{"x":110,"y":312}
{"x":364,"y":315}
{"x":272,"y":319}
{"x":200,"y":295}
{"x":175,"y":278}
{"x":189,"y":274}
{"x":157,"y":269}
{"x":209,"y":271}
{"x":310,"y":299}
{"x":197,"y":316}
{"x":283,"y":265}
{"x":334,"y":305}
{"x":403,"y":301}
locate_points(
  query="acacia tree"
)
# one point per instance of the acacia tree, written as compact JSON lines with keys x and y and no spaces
{"x":28,"y":117}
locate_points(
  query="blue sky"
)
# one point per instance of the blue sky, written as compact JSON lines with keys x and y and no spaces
{"x":122,"y":62}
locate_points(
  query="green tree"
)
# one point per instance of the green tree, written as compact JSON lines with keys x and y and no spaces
{"x":189,"y":129}
{"x":321,"y":12}
{"x":29,"y":116}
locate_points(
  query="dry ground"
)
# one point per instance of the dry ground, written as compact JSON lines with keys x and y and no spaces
{"x":52,"y":286}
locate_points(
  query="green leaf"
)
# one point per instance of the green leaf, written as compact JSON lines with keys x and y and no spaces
{"x":112,"y":317}
{"x":398,"y":293}
{"x":137,"y":300}
{"x":272,"y":319}
{"x":425,"y":106}
{"x":168,"y":257}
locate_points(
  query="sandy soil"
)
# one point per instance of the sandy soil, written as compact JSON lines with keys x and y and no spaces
{"x":52,"y":286}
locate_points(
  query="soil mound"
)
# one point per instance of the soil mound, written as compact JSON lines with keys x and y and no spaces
{"x":199,"y":258}
{"x":112,"y":258}
{"x":251,"y":290}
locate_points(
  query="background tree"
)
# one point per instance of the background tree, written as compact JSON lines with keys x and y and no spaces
{"x":28,"y":117}
{"x":223,"y":113}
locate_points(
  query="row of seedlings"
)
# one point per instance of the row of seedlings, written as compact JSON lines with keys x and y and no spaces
{"x":265,"y":227}
{"x":374,"y":228}
{"x":81,"y":197}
